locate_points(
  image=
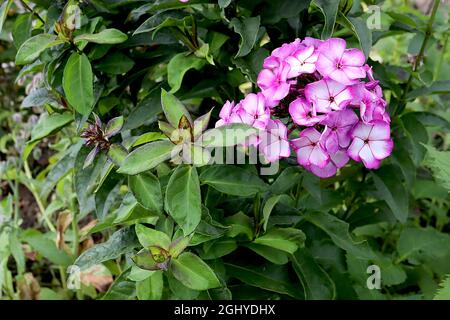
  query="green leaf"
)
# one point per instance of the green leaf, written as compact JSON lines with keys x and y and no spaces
{"x":248,"y":29}
{"x":106,"y":195}
{"x":178,"y":66}
{"x":78,"y":83}
{"x":113,"y":126}
{"x":263,"y":279}
{"x":287,"y":239}
{"x":443,"y":292}
{"x":391,"y":190}
{"x":146,"y":157}
{"x":37,"y":98}
{"x":194,"y":273}
{"x":147,"y":191}
{"x":183,"y":198}
{"x":117,"y":154}
{"x":273,"y":255}
{"x":224,"y":3}
{"x":46,"y":247}
{"x":317,"y":284}
{"x":22,"y":29}
{"x":145,"y":111}
{"x":148,"y":137}
{"x":267,"y":209}
{"x":149,"y":237}
{"x":232,"y":180}
{"x":338,"y":232}
{"x":121,"y":241}
{"x":437,"y":87}
{"x":416,"y":135}
{"x":156,"y":259}
{"x":15,"y":246}
{"x":359,"y":28}
{"x":178,"y":246}
{"x":121,"y":289}
{"x":430,"y":119}
{"x":49,"y":124}
{"x":218,"y":248}
{"x":227,"y":135}
{"x":418,"y":245}
{"x":173,"y":108}
{"x":107,"y":36}
{"x":287,"y":179}
{"x":274,"y":11}
{"x":4,"y":8}
{"x":85,"y":180}
{"x":329,"y":9}
{"x":439,"y":162}
{"x":115,"y":63}
{"x":151,"y":288}
{"x":32,"y":48}
{"x":240,"y":224}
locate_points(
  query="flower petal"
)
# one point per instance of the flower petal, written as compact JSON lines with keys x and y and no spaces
{"x":381,"y":148}
{"x":354,"y":148}
{"x":367,"y":158}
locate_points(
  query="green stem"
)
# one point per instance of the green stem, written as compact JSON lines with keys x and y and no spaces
{"x":62,"y":274}
{"x":420,"y":56}
{"x":76,"y":236}
{"x":441,"y":58}
{"x":36,"y":196}
{"x":32,"y":11}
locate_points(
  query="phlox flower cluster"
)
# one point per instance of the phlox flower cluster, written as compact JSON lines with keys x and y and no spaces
{"x":320,"y":100}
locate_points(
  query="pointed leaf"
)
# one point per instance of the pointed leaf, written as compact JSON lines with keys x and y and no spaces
{"x":183,"y":198}
{"x":193,"y":272}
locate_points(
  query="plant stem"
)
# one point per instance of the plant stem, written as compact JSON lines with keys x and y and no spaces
{"x":441,"y":58}
{"x":37,"y":197}
{"x":76,"y":236}
{"x":420,"y":56}
{"x":32,"y":11}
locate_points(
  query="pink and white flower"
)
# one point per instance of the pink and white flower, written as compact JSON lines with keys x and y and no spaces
{"x":308,"y":149}
{"x":252,"y":111}
{"x":371,"y":143}
{"x":337,"y":160}
{"x":320,"y":84}
{"x":340,"y":64}
{"x":274,"y":141}
{"x":303,"y":113}
{"x":337,"y":131}
{"x":327,"y":95}
{"x":274,"y":84}
{"x":226,"y":114}
{"x":302,"y":61}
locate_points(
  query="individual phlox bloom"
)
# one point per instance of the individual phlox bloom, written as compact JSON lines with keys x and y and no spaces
{"x":308,"y":41}
{"x":273,"y":142}
{"x":338,"y":63}
{"x":371,"y":143}
{"x":286,"y":49}
{"x":273,"y":83}
{"x":337,"y":131}
{"x":303,"y":113}
{"x":302,"y":61}
{"x":337,"y":160}
{"x":308,"y":149}
{"x":226,"y":114}
{"x":252,"y":111}
{"x":373,"y":110}
{"x":327,"y":95}
{"x":370,"y":102}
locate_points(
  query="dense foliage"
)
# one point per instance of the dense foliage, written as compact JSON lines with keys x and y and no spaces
{"x":110,"y":110}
